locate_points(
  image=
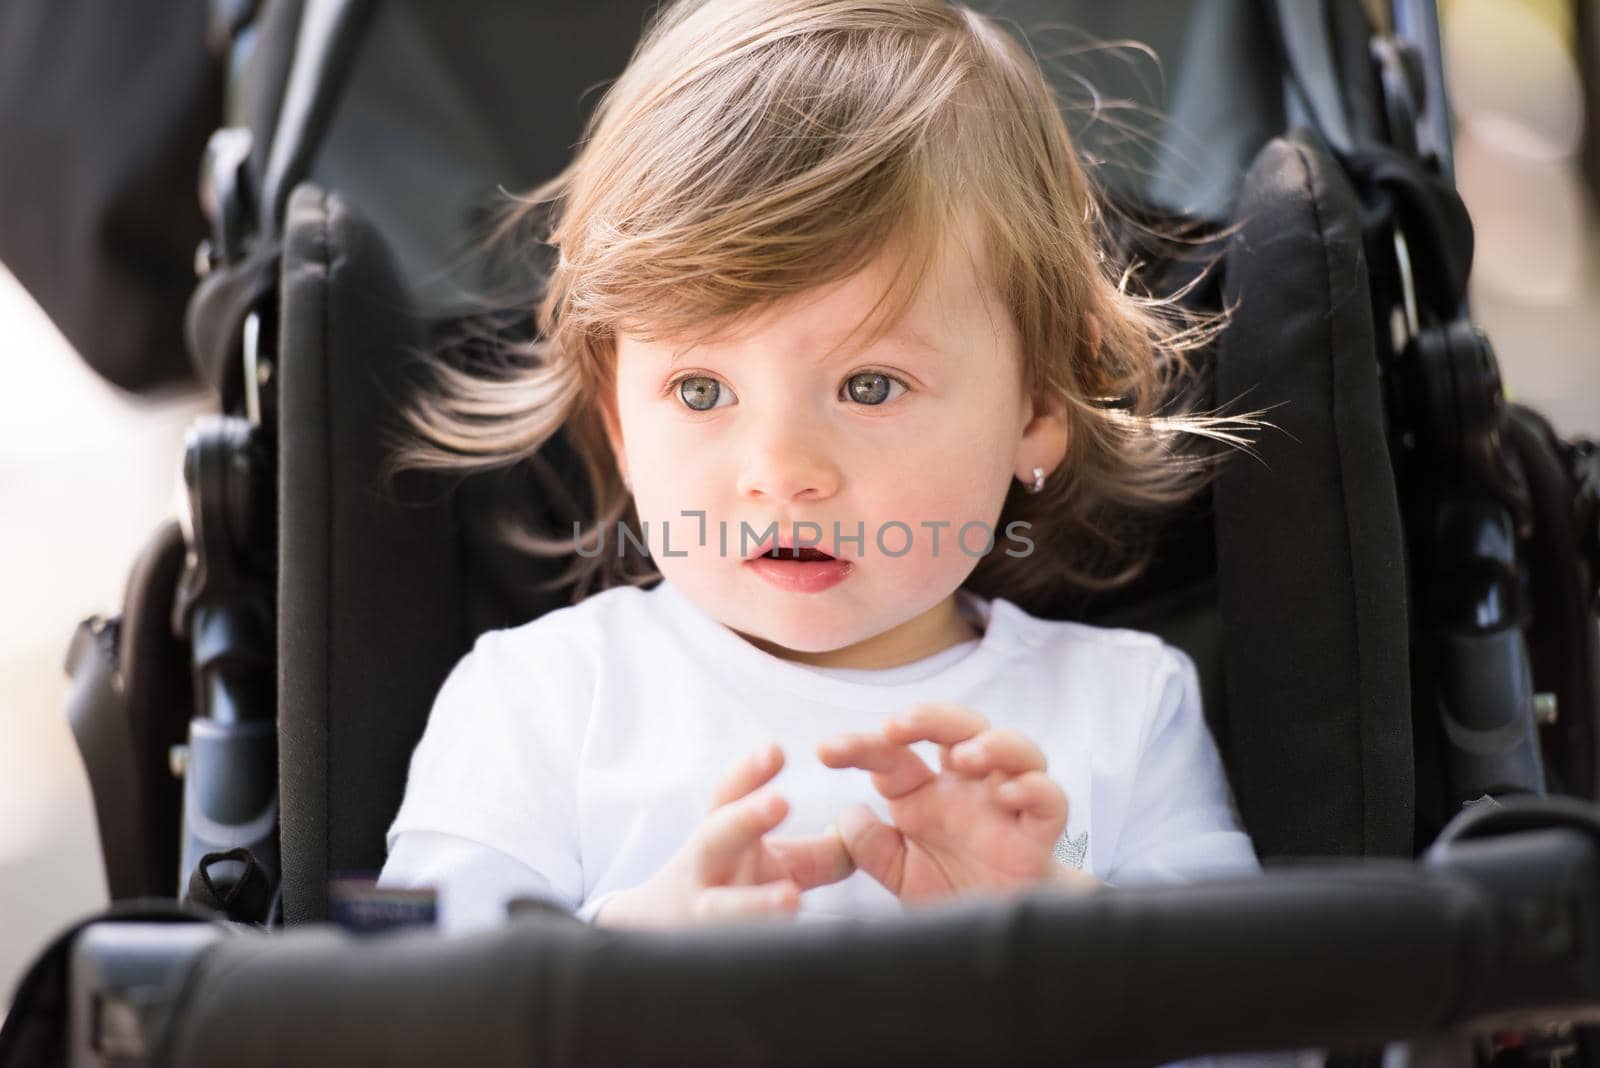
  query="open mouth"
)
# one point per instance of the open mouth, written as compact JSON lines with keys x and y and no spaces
{"x":804,"y":554}
{"x":799,"y":569}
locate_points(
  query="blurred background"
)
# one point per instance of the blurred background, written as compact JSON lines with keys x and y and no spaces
{"x":87,"y":470}
{"x":1527,"y":104}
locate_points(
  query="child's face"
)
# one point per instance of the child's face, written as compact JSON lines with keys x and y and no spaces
{"x":928,"y":427}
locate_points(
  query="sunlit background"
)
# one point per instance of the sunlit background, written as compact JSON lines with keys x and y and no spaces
{"x":87,"y":473}
{"x":1513,"y":72}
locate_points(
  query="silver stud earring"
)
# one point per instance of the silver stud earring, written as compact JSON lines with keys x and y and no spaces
{"x":1038,"y":480}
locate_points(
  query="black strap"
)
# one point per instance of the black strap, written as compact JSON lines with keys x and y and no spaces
{"x":244,"y":895}
{"x":1396,"y":188}
{"x":215,"y":319}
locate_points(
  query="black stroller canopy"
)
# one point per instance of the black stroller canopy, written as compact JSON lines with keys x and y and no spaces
{"x":424,"y":112}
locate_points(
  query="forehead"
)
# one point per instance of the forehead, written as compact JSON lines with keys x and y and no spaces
{"x":931,"y":303}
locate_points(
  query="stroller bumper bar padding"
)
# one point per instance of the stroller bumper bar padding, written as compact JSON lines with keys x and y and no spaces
{"x":1501,"y":930}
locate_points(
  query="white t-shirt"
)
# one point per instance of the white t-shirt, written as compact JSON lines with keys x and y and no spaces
{"x":571,"y":757}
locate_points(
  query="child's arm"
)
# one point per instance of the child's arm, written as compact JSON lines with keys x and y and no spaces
{"x":1180,"y":823}
{"x":494,"y":777}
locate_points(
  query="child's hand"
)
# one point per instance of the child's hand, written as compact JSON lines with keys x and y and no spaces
{"x":729,"y":869}
{"x":989,"y":819}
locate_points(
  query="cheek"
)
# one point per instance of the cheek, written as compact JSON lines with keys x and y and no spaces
{"x":672,"y":468}
{"x":955,"y":495}
{"x":959,"y":472}
{"x":643,"y":429}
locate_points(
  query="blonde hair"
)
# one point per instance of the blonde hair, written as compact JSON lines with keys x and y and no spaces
{"x":755,"y":149}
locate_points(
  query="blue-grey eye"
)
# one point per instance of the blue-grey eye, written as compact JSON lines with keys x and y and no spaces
{"x":700,"y":393}
{"x":870,"y":387}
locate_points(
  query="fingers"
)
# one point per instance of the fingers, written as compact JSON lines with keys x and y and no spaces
{"x":969,"y":745}
{"x":877,"y":848}
{"x":997,"y":750}
{"x":896,"y":770}
{"x":941,"y":723}
{"x":747,"y":902}
{"x":1039,"y":802}
{"x":731,"y":829}
{"x":750,"y":773}
{"x":811,"y":862}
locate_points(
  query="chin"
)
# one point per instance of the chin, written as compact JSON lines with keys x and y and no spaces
{"x":800,"y":637}
{"x":802,"y":631}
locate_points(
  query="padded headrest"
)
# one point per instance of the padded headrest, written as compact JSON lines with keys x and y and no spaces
{"x":382,"y":587}
{"x":1311,"y":564}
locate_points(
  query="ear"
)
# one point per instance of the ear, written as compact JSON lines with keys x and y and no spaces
{"x":1049,"y":429}
{"x":1044,"y":437}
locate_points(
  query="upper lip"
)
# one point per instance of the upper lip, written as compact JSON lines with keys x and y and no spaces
{"x":781,"y":541}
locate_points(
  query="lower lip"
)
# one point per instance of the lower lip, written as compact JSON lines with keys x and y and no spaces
{"x":800,"y":576}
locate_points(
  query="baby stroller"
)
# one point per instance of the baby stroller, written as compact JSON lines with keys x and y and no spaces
{"x":1391,"y":614}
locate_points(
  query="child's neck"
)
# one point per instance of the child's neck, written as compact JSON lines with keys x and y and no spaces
{"x":934,"y":631}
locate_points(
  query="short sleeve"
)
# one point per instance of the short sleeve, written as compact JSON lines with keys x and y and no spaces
{"x":497,"y":766}
{"x":1181,"y":823}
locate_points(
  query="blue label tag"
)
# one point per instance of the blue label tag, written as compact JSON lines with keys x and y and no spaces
{"x":357,"y":903}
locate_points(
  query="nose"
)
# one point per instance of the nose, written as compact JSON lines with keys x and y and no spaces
{"x":787,"y":458}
